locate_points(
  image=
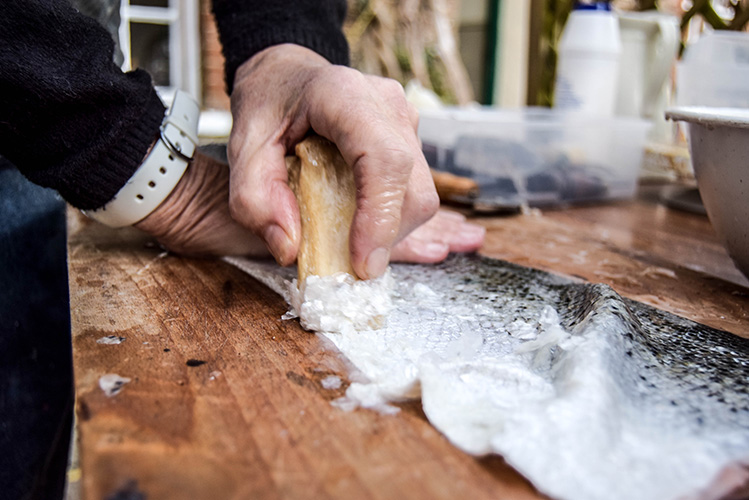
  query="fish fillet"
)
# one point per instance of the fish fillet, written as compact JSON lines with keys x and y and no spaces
{"x":587,"y":394}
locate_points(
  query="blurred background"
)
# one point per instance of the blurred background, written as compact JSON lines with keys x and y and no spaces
{"x":493,"y":52}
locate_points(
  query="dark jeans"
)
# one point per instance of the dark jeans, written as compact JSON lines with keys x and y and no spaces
{"x":36,"y":396}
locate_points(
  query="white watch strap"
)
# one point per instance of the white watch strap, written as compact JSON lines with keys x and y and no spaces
{"x":160,"y":172}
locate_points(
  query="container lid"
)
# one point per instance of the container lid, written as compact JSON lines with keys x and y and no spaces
{"x":606,"y":6}
{"x":719,"y":48}
{"x":591,"y":30}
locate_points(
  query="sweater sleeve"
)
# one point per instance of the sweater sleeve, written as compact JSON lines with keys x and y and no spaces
{"x":70,"y":119}
{"x":248,"y":26}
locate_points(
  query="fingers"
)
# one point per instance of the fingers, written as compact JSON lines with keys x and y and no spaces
{"x":421,"y":201}
{"x":420,"y":251}
{"x":373,"y":127}
{"x":446,"y":232}
{"x":282,"y":93}
{"x":260,"y":199}
{"x":267,"y":121}
{"x":459,"y":234}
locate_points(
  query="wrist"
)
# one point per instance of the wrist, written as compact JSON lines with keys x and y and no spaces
{"x":194,"y":219}
{"x":160,"y":172}
{"x":162,"y":220}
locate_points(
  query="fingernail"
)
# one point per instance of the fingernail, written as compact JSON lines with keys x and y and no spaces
{"x":436,"y":249}
{"x":472,"y":230}
{"x":377,"y":262}
{"x":277,"y":241}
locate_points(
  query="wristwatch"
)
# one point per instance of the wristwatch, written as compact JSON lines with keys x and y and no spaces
{"x":160,"y":171}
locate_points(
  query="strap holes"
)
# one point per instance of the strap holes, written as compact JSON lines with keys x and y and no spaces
{"x":139,"y":197}
{"x":171,"y":158}
{"x":162,"y":170}
{"x":151,"y":184}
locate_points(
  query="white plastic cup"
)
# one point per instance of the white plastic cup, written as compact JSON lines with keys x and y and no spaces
{"x":588,"y":65}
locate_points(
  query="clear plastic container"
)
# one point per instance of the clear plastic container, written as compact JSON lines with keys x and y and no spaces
{"x":714,"y":71}
{"x":536,"y":156}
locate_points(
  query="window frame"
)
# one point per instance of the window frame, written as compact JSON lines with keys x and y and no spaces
{"x":182,"y":19}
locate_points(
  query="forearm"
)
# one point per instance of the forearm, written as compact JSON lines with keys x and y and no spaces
{"x":248,"y":27}
{"x":69,"y":118}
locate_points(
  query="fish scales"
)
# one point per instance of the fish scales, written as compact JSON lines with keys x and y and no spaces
{"x":698,"y":356}
{"x":588,"y":394}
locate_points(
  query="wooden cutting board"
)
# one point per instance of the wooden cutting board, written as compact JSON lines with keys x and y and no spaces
{"x":226,"y":400}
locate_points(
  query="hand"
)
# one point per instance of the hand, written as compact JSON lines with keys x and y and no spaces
{"x":194,"y":219}
{"x":282,"y":92}
{"x":444,"y":233}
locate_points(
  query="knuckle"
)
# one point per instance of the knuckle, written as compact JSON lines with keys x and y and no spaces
{"x":346,"y":80}
{"x":430,"y":204}
{"x":413,"y":114}
{"x":426,"y":203}
{"x":388,"y":163}
{"x":402,"y":159}
{"x":394,"y":94}
{"x":233,"y":147}
{"x":240,"y":208}
{"x":392,"y":88}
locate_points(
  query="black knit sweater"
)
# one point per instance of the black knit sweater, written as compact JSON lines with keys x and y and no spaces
{"x":72,"y":121}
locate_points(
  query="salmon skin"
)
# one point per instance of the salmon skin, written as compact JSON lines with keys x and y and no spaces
{"x":587,"y":394}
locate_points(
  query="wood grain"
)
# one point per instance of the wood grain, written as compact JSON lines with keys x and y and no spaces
{"x":252,"y":421}
{"x":226,"y":400}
